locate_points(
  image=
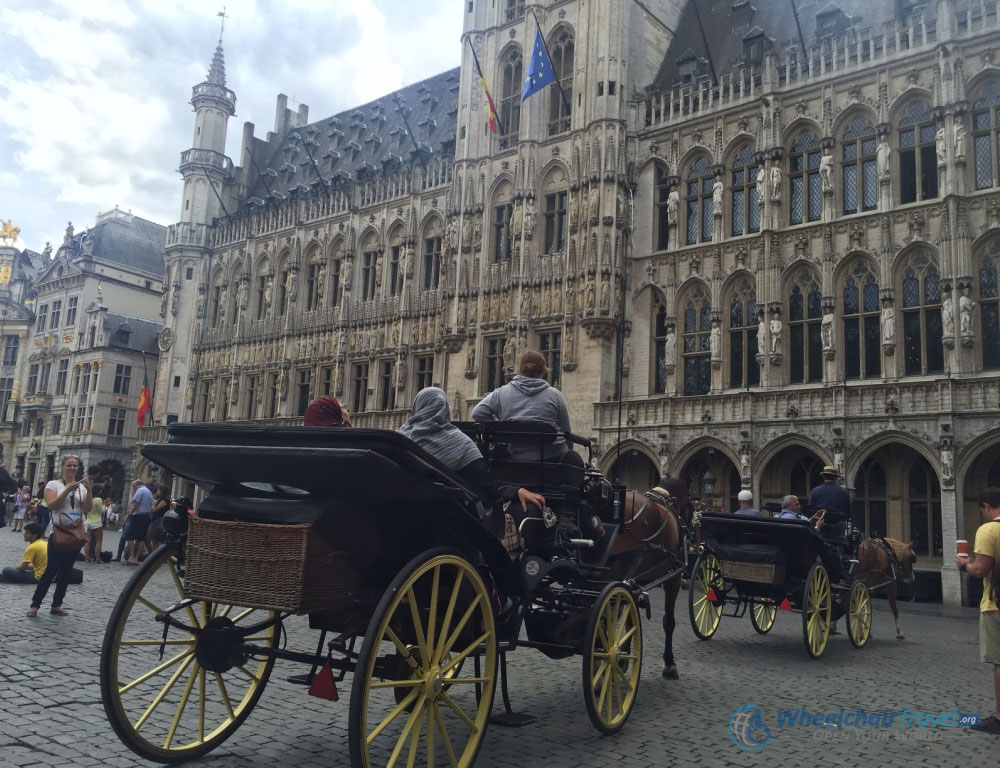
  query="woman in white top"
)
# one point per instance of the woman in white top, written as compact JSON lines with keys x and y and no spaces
{"x":67,"y":499}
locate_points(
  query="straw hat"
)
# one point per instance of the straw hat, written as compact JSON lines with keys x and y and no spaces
{"x":831,"y":471}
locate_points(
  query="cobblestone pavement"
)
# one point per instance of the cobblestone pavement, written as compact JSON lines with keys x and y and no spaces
{"x":52,"y":712}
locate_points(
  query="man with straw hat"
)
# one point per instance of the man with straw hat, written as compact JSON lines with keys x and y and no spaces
{"x":831,"y":495}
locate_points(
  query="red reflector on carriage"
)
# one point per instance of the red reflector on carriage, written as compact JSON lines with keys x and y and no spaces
{"x":711,"y":596}
{"x":324,"y":686}
{"x":785,"y":605}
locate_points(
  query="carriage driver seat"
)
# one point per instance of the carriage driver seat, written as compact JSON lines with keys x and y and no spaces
{"x":553,"y":474}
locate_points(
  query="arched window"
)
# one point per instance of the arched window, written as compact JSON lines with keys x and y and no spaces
{"x":662,"y":208}
{"x":805,"y":475}
{"x":314,"y":274}
{"x":922,"y":350}
{"x":215,"y":310}
{"x":989,"y":308}
{"x":697,"y":343}
{"x":660,"y":340}
{"x":918,"y":162}
{"x":554,"y":196}
{"x":284,"y":286}
{"x":262,"y":281}
{"x":745,"y":205}
{"x":862,"y":351}
{"x":561,"y":100}
{"x":859,"y":167}
{"x":924,"y":496}
{"x":805,"y":196}
{"x":805,"y":322}
{"x":699,"y":202}
{"x":869,"y":499}
{"x":369,"y":268}
{"x":985,"y":135}
{"x":510,"y":98}
{"x":431,"y":261}
{"x":743,"y":368}
{"x":503,"y":210}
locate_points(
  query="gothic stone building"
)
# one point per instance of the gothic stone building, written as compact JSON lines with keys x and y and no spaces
{"x":777,"y":240}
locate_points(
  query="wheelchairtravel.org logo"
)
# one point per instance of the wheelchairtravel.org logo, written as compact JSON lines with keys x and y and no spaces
{"x":749,"y":731}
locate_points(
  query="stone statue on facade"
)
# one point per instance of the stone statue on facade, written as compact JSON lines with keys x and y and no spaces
{"x":320,"y":282}
{"x":241,"y":294}
{"x":605,"y":297}
{"x":477,"y":232}
{"x":947,"y":461}
{"x":268,"y":295}
{"x":467,"y":232}
{"x":826,"y":170}
{"x":715,"y":342}
{"x":827,"y":329}
{"x":470,"y":356}
{"x":939,"y":144}
{"x":529,"y":219}
{"x":594,"y":202}
{"x":882,"y":156}
{"x":947,"y":316}
{"x":508,"y":354}
{"x":775,"y":329}
{"x":762,"y":334}
{"x":775,"y":183}
{"x":516,"y":220}
{"x":965,"y":307}
{"x":670,"y":347}
{"x":673,"y":201}
{"x":888,"y":324}
{"x":283,"y":383}
{"x":568,"y":344}
{"x":717,"y":190}
{"x":759,"y":181}
{"x":959,"y":133}
{"x":626,"y":355}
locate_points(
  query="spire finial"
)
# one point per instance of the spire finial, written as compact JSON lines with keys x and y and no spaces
{"x":222,"y":28}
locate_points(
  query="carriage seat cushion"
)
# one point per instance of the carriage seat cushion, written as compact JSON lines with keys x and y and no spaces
{"x":744,"y":552}
{"x":548,"y":477}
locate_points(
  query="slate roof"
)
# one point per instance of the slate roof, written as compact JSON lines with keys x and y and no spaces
{"x":727,"y":23}
{"x":362,"y":141}
{"x":128,"y":240}
{"x":143,"y":336}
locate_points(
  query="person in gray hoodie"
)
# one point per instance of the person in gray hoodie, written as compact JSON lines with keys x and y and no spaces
{"x":529,"y":397}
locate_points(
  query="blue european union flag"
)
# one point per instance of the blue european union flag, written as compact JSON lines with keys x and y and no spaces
{"x":540,"y":71}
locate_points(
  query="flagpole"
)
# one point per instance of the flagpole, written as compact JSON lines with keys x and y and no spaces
{"x":548,"y":55}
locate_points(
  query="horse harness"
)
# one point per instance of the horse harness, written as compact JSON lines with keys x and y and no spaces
{"x":894,"y":567}
{"x":667,"y":503}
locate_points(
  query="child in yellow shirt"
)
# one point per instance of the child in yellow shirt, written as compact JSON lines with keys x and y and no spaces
{"x":36,"y":558}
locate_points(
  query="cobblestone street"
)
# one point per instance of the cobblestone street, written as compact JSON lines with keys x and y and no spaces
{"x":53,"y":713}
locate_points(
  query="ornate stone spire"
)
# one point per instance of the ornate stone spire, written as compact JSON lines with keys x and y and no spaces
{"x":217,"y":72}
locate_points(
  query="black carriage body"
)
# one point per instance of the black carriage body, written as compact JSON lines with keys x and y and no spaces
{"x":371,"y":493}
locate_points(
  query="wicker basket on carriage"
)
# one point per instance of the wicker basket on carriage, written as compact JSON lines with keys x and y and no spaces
{"x":279,"y":567}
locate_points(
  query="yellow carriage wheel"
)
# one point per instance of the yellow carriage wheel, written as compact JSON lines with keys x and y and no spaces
{"x":763,"y":614}
{"x":179,"y":703}
{"x":612,"y":658}
{"x":817,"y":606}
{"x":414,"y":698}
{"x":859,"y":614}
{"x":705,"y":596}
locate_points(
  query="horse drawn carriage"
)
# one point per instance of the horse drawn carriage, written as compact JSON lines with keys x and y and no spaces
{"x":761,"y":565}
{"x":389,"y":554}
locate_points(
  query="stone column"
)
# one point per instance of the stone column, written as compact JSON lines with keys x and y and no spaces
{"x":951,"y":581}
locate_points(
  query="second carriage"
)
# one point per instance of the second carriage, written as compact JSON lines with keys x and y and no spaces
{"x":760,"y":565}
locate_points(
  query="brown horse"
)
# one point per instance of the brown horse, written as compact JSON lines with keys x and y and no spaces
{"x":650,"y":547}
{"x":876,"y":568}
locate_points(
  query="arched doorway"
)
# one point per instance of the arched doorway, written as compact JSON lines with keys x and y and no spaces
{"x":635,"y":470}
{"x":793,"y":470}
{"x":710,"y":475}
{"x":897,"y":493}
{"x":112,"y":474}
{"x":983,"y":472}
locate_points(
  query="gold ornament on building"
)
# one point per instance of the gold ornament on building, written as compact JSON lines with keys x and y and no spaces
{"x":8,"y":232}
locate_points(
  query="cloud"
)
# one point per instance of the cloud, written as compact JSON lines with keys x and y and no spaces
{"x":94,"y":95}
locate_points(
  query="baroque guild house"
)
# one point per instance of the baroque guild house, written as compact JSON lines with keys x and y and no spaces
{"x":747,"y":245}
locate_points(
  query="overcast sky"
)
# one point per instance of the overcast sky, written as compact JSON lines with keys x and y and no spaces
{"x":94,"y":93}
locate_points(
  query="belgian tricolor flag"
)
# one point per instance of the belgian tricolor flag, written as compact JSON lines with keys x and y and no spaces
{"x":491,"y":108}
{"x":145,"y":401}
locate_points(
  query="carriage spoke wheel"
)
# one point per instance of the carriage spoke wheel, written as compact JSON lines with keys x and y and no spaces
{"x":817,"y":606}
{"x":705,"y":596}
{"x":182,"y":703}
{"x":859,"y":614}
{"x":763,"y":614}
{"x":410,"y":699}
{"x":612,"y":658}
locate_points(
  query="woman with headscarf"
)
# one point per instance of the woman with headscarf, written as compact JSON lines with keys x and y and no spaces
{"x":430,"y":427}
{"x":326,"y":411}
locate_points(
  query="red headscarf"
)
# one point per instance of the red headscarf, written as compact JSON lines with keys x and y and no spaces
{"x":325,"y":412}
